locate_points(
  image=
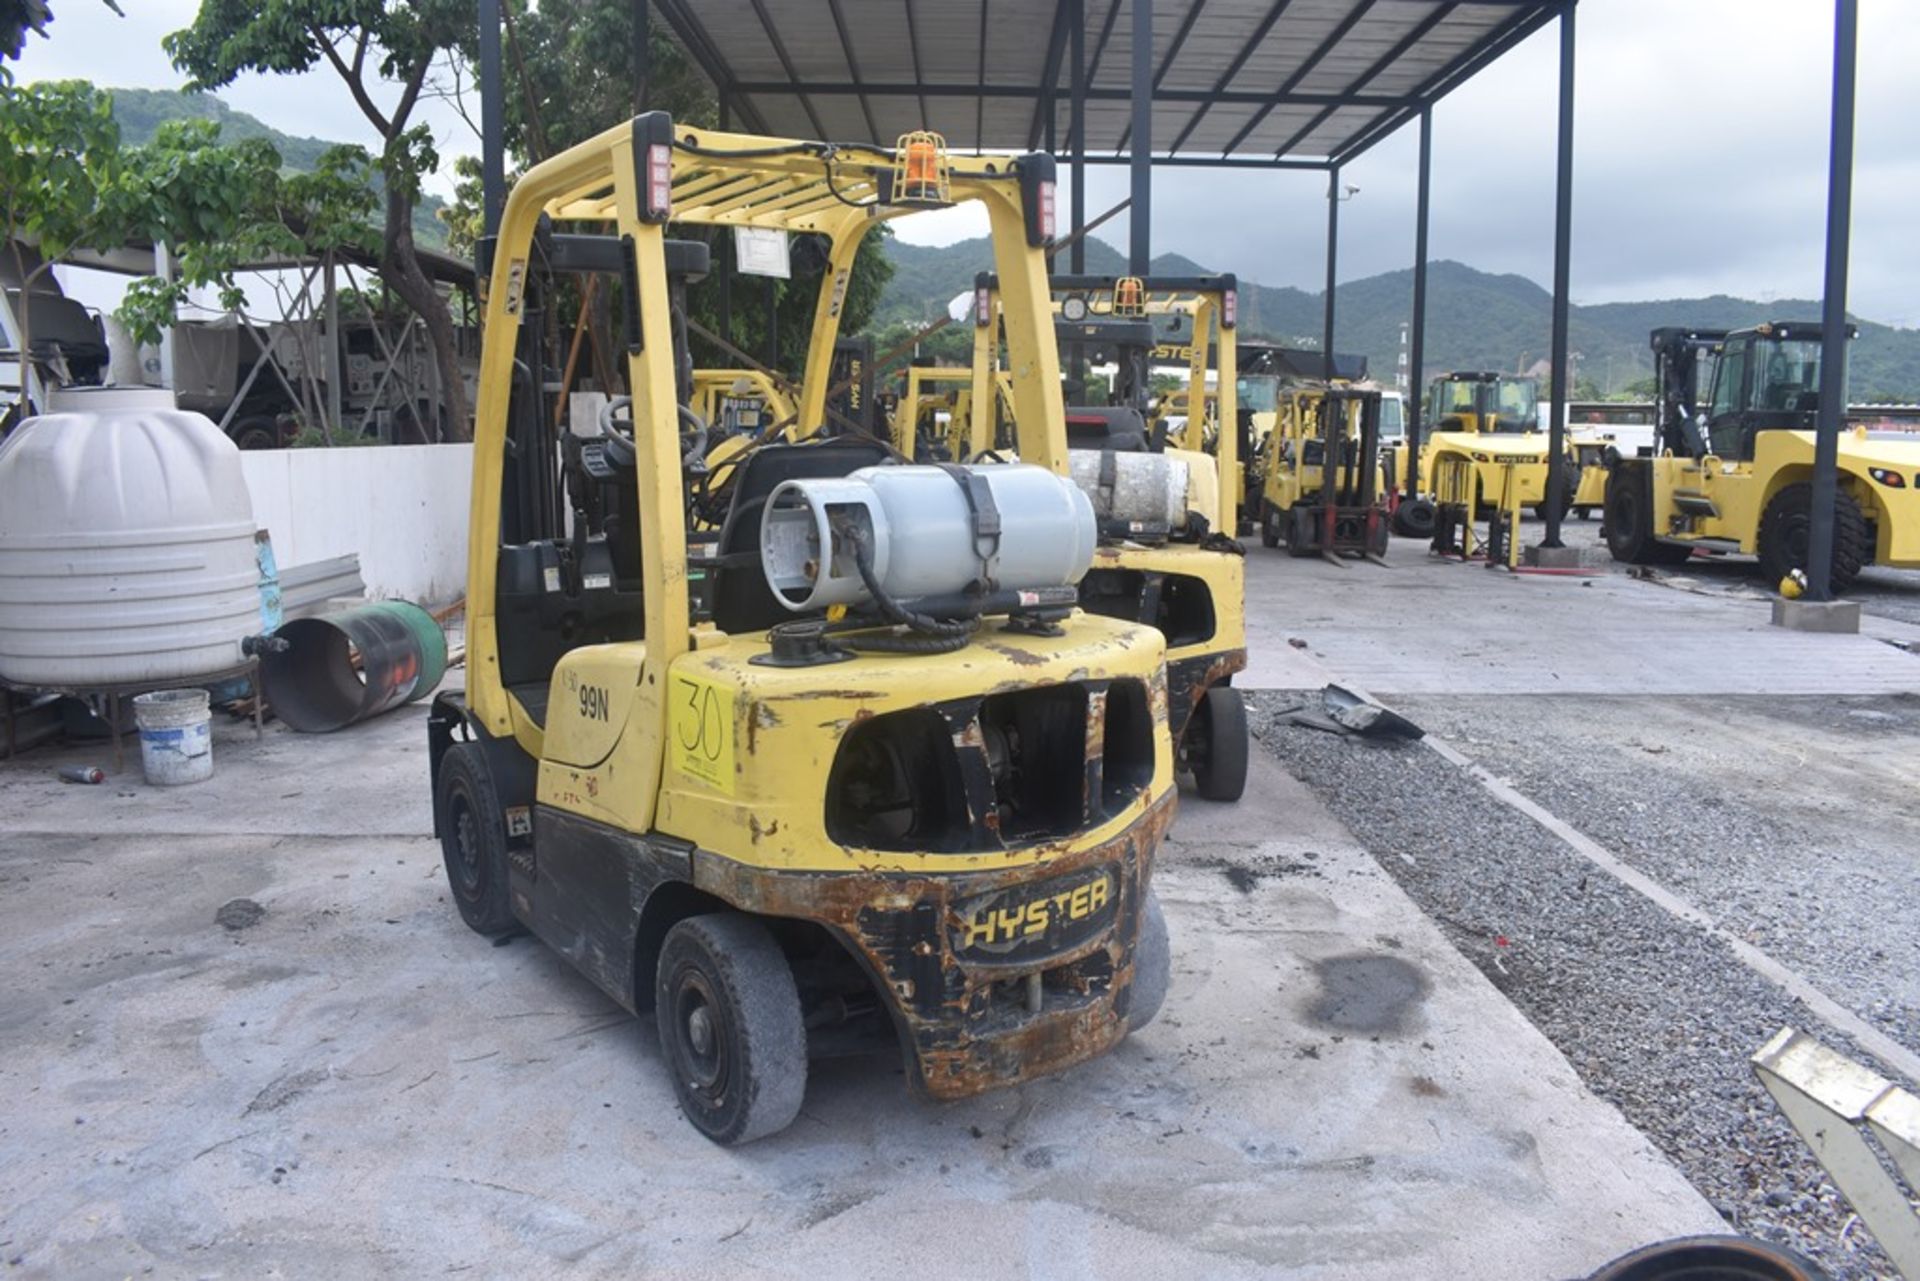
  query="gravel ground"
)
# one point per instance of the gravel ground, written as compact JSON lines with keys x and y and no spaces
{"x":1791,"y":822}
{"x":1654,"y":1015}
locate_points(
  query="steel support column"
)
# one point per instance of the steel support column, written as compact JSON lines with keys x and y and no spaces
{"x":723,"y":248}
{"x":1416,"y":357}
{"x":1562,"y":254}
{"x":1833,"y":306}
{"x":1140,"y":212}
{"x":642,"y":57}
{"x":493,"y":163}
{"x":1077,"y":135}
{"x":1333,"y":266}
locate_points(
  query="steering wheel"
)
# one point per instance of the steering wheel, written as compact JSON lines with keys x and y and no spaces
{"x":618,"y":433}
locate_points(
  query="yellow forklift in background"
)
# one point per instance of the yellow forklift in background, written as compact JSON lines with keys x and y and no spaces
{"x":1167,"y":553}
{"x":1731,"y":467}
{"x":1322,"y":491}
{"x":1490,"y":424}
{"x":930,"y":391}
{"x":879,"y":778}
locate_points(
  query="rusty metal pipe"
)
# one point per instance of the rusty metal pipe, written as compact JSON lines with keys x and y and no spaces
{"x":340,"y":668}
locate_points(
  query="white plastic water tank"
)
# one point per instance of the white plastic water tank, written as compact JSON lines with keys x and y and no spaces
{"x":126,"y":543}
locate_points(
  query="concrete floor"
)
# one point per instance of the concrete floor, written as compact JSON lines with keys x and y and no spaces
{"x":1419,"y":625}
{"x":355,"y":1085}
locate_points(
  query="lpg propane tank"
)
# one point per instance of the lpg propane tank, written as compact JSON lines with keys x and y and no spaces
{"x":1131,"y":492}
{"x":924,"y":525}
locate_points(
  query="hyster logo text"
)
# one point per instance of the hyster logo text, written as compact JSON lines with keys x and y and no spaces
{"x":1033,"y":918}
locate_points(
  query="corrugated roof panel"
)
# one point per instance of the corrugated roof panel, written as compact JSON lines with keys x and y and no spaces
{"x":1346,"y":65}
{"x":1333,"y":132}
{"x":1313,"y":47}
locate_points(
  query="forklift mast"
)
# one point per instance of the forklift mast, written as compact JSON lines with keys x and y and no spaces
{"x":1680,"y":358}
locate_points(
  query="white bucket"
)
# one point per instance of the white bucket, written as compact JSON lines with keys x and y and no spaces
{"x":176,"y":738}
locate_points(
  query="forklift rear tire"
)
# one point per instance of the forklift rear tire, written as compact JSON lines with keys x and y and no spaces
{"x":1628,"y":521}
{"x":1787,"y":524}
{"x":1269,"y":525}
{"x":473,"y":839}
{"x":1152,"y":966}
{"x":731,"y":1031}
{"x":1219,"y":729}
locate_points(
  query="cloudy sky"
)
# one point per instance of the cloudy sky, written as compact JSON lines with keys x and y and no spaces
{"x":1700,"y":156}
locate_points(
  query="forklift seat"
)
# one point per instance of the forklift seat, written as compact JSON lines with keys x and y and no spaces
{"x":743,"y":600}
{"x":1120,"y":428}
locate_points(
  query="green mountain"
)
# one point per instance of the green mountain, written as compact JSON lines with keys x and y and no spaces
{"x":1475,"y":320}
{"x":141,"y":112}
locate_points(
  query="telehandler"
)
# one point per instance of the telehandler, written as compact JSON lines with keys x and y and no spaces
{"x":879,"y":778}
{"x":1167,"y":556}
{"x":1733,"y":471}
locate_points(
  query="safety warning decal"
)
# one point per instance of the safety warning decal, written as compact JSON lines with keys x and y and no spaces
{"x":700,"y":730}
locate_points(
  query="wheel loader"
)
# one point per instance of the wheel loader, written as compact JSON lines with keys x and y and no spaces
{"x":1731,"y":467}
{"x":1166,"y":554}
{"x":879,"y":782}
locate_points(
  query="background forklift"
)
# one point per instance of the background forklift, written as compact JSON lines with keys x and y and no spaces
{"x":1731,"y":467}
{"x":1298,"y":505}
{"x":881,"y":776}
{"x":1493,"y":421}
{"x":1176,"y":567}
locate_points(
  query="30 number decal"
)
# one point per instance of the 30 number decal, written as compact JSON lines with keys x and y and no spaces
{"x":701,"y":725}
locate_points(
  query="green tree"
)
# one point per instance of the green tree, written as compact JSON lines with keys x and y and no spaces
{"x":67,"y":183}
{"x":60,"y":165}
{"x":364,"y":42}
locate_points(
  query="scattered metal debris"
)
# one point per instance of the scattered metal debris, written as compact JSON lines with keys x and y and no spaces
{"x":1341,"y":711}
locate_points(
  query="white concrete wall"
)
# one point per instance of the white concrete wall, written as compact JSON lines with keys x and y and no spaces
{"x":402,"y":508}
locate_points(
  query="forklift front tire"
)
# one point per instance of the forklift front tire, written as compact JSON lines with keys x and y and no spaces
{"x":473,"y":839}
{"x":1220,"y":724}
{"x":1269,"y":525}
{"x":731,"y":1032}
{"x":1152,"y":966}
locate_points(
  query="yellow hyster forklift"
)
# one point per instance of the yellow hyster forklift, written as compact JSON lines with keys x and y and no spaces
{"x":1298,"y":506}
{"x":1167,"y":555}
{"x":879,"y":777}
{"x":1490,"y":423}
{"x":1733,"y":471}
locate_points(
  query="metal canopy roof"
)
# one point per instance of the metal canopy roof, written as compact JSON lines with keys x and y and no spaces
{"x":1268,"y":83}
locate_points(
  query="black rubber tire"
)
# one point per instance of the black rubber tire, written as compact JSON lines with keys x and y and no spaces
{"x":1787,"y":524}
{"x":1152,"y":966}
{"x":1269,"y":525}
{"x":1297,"y":520}
{"x":1218,"y":727}
{"x":1415,"y":518}
{"x":1722,"y":1257}
{"x":1629,"y":521}
{"x":473,"y":839}
{"x":723,"y":978}
{"x":256,"y":433}
{"x":1584,"y":513}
